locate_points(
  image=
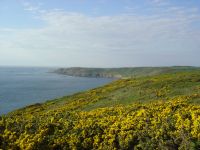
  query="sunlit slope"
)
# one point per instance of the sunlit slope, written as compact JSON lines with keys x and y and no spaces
{"x":127,"y":91}
{"x":157,"y":112}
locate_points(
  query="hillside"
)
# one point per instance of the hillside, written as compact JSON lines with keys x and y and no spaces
{"x":122,"y":72}
{"x":156,"y":112}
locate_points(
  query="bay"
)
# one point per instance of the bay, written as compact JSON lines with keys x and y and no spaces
{"x":22,"y":86}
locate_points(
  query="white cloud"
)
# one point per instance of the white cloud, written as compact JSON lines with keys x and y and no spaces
{"x":160,"y":2}
{"x":33,"y":8}
{"x":75,"y":39}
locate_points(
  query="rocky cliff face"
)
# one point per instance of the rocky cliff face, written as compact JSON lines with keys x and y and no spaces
{"x":87,"y":72}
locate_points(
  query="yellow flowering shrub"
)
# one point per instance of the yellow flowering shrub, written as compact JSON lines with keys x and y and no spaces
{"x":158,"y":125}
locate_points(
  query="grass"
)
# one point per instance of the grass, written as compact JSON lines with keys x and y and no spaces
{"x":127,"y":91}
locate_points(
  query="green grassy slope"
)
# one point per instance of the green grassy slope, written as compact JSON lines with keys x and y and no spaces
{"x":156,"y":112}
{"x":123,"y":72}
{"x":127,"y":91}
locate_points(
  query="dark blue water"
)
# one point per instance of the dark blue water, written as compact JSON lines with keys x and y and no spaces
{"x":24,"y":86}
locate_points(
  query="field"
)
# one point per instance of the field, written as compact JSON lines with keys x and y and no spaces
{"x":151,"y":112}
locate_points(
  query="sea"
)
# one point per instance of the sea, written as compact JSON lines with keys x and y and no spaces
{"x":22,"y":86}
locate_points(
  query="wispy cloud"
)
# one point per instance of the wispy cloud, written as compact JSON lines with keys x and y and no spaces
{"x":33,"y":8}
{"x":121,"y":40}
{"x":160,"y":2}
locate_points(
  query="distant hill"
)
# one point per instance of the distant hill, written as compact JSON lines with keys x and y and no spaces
{"x":122,"y":72}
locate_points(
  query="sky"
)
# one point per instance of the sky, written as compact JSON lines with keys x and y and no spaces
{"x":99,"y":33}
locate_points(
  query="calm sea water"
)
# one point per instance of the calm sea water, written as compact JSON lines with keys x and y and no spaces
{"x":24,"y":86}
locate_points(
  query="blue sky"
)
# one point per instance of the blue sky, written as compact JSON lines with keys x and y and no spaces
{"x":101,"y":33}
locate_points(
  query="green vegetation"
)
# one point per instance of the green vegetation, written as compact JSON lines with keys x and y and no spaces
{"x":156,"y":112}
{"x":123,"y":72}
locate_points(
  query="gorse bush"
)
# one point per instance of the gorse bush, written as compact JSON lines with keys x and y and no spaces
{"x":159,"y":125}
